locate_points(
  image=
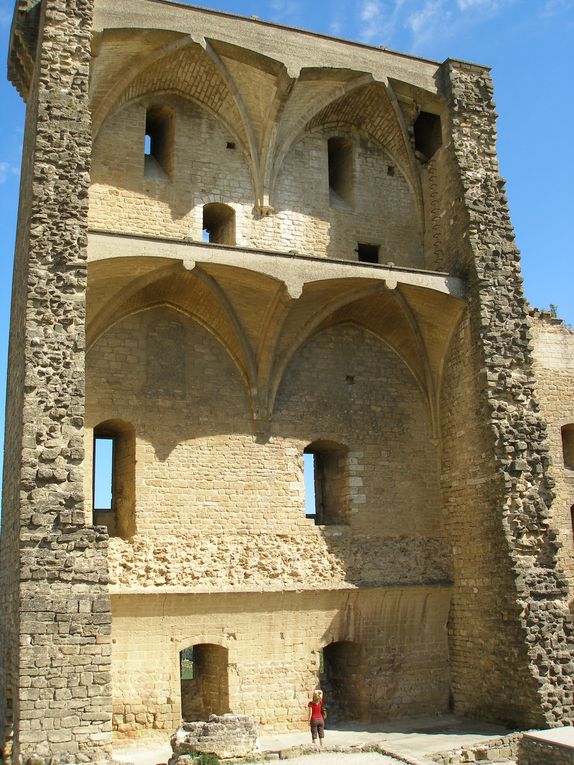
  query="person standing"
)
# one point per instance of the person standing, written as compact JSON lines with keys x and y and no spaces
{"x":316,"y":720}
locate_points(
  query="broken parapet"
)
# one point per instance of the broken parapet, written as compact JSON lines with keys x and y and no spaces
{"x":227,"y":736}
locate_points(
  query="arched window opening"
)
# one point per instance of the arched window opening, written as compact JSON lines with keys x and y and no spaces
{"x":159,"y":142}
{"x":113,"y":478}
{"x":218,"y":224}
{"x":342,"y":680}
{"x":204,"y":681}
{"x":340,"y":160}
{"x":568,"y":445}
{"x":428,"y":135}
{"x":326,"y":483}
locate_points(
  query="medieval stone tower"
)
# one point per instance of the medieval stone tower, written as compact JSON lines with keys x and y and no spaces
{"x":241,"y":248}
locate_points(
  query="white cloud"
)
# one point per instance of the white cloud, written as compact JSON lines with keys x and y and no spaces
{"x":370,"y":10}
{"x":425,"y":21}
{"x":379,"y":20}
{"x":6,"y":171}
{"x":285,"y":11}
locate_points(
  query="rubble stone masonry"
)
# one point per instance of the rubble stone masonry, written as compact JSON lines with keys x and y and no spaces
{"x":359,"y":300}
{"x":510,"y":597}
{"x":56,"y":644}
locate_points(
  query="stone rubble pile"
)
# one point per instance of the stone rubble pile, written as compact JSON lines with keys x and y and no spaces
{"x":227,"y":736}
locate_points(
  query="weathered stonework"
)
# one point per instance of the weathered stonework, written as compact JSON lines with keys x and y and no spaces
{"x":512,"y":440}
{"x":57,"y":646}
{"x":226,"y":736}
{"x":359,"y":300}
{"x":553,"y":355}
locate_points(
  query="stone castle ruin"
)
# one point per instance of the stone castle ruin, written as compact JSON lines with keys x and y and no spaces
{"x":241,"y":249}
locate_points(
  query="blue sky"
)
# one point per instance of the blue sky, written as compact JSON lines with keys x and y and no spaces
{"x":529,"y":44}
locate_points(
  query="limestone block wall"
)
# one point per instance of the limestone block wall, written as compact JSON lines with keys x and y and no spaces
{"x":274,"y":644}
{"x":554,"y":367}
{"x":495,"y":454}
{"x":205,"y":169}
{"x":217,"y":509}
{"x":56,"y":635}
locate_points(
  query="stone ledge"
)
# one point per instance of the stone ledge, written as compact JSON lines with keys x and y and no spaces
{"x":561,"y":737}
{"x":295,"y":269}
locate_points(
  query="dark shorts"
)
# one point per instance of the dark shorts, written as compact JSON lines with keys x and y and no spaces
{"x":317,"y":728}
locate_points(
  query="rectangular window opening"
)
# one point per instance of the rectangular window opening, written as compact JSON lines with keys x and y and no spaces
{"x":103,"y":472}
{"x":159,"y":143}
{"x":368,"y":253}
{"x":309,"y":478}
{"x":340,"y":167}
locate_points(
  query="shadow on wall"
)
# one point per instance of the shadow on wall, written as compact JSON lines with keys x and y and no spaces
{"x":346,"y":398}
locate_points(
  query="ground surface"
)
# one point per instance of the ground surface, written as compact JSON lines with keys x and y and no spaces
{"x":340,"y":758}
{"x":413,"y":739}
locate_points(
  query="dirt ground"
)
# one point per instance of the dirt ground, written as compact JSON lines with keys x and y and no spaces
{"x":338,"y":758}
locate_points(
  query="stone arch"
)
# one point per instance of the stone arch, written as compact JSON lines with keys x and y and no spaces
{"x":204,"y":681}
{"x":219,"y":223}
{"x":171,"y":99}
{"x":230,"y":351}
{"x":369,"y":107}
{"x":187,"y":70}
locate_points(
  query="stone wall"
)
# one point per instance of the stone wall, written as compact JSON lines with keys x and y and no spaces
{"x":218,"y":509}
{"x":554,"y":366}
{"x":58,"y":635}
{"x":274,"y":643}
{"x":534,"y":752}
{"x":496,"y":456}
{"x":213,"y":546}
{"x":123,"y":199}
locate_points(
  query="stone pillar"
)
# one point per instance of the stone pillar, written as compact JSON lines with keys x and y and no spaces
{"x":57,"y":636}
{"x":511,"y":634}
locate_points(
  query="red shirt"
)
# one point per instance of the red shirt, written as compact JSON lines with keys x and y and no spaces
{"x":316,"y":710}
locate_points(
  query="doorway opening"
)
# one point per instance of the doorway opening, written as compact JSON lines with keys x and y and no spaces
{"x":204,"y":681}
{"x":342,"y":679}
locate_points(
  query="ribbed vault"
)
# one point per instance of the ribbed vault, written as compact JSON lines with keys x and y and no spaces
{"x":373,"y":110}
{"x":262,"y":327}
{"x":190,"y":73}
{"x":265,"y":107}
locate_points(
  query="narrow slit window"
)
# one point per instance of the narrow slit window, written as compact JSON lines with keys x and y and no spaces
{"x":159,"y":140}
{"x":326,"y":483}
{"x":340,"y":160}
{"x":368,"y":253}
{"x":103,"y":473}
{"x":309,"y":478}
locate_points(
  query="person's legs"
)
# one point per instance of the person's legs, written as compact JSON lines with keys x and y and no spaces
{"x":316,"y":726}
{"x":321,"y":731}
{"x":313,"y":727}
